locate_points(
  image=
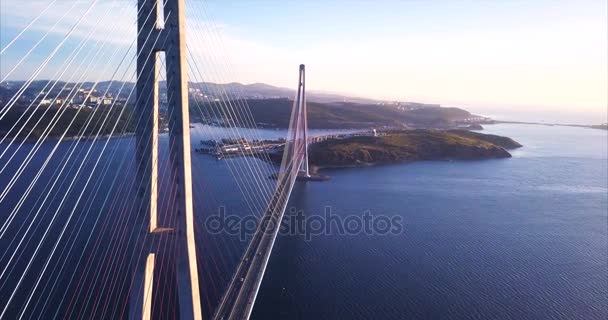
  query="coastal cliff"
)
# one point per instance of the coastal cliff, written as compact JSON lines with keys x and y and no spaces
{"x":409,"y":145}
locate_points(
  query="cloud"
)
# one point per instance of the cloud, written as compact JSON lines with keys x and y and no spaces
{"x":542,"y":57}
{"x":113,"y":23}
{"x":99,"y":18}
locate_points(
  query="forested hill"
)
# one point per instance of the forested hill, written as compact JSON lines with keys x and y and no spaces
{"x":270,"y":106}
{"x":276,"y":113}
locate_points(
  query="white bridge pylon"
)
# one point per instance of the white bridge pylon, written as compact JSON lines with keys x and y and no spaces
{"x":239,"y":298}
{"x":298,"y":128}
{"x":171,"y":35}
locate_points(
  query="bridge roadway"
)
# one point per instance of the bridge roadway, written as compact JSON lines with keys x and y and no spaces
{"x":237,"y":302}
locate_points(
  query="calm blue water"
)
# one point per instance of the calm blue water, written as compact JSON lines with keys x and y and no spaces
{"x":519,"y":238}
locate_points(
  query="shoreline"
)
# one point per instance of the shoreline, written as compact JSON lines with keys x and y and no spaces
{"x":316,"y":168}
{"x":72,"y":138}
{"x":584,"y":126}
{"x":132,"y":134}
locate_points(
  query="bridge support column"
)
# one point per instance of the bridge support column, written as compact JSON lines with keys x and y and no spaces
{"x":303,"y":114}
{"x":179,"y":145}
{"x":172,"y":40}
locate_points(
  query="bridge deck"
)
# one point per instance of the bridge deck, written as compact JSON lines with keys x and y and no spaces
{"x":237,"y":302}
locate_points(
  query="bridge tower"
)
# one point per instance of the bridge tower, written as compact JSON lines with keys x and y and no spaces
{"x":167,"y":35}
{"x":302,"y":120}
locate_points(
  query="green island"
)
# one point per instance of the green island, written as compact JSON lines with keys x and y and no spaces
{"x":400,"y":146}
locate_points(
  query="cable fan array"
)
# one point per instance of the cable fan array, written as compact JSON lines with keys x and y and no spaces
{"x":67,"y":186}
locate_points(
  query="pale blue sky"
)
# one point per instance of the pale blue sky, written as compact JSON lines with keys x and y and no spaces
{"x":545,"y":55}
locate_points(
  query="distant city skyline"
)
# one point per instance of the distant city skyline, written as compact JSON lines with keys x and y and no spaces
{"x":513,"y":55}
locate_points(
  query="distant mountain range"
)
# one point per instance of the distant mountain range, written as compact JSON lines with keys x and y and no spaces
{"x":215,"y":90}
{"x":269,"y":105}
{"x":275,"y":113}
{"x":265,"y":91}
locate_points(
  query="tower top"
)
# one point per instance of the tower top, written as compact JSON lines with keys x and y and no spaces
{"x":302,"y":67}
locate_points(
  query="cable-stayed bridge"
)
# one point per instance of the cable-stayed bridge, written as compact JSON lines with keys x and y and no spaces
{"x":98,"y":224}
